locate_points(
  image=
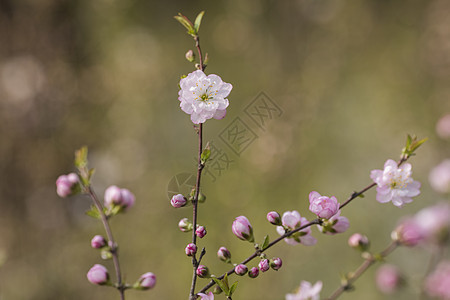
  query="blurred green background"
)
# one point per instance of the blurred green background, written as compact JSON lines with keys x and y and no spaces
{"x":352,"y":78}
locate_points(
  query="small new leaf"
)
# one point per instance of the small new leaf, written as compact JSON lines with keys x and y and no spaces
{"x":411,"y":145}
{"x":233,"y":288}
{"x":198,"y":21}
{"x":81,"y":157}
{"x":93,"y":212}
{"x":205,"y":154}
{"x":265,"y":243}
{"x":222,"y":285}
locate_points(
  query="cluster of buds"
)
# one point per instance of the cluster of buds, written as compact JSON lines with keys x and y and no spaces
{"x":117,"y":199}
{"x":67,"y":185}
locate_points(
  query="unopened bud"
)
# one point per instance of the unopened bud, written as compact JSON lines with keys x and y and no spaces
{"x":66,"y":185}
{"x":274,"y":218}
{"x":276,"y":263}
{"x":201,"y":197}
{"x":202,"y":271}
{"x":224,"y":254}
{"x":191,"y":249}
{"x":178,"y":201}
{"x":253,"y":273}
{"x":146,"y":281}
{"x":98,"y":242}
{"x":190,"y":56}
{"x":240,"y":270}
{"x":200,"y":231}
{"x":264,"y":265}
{"x":359,"y":242}
{"x":185,"y":225}
{"x":98,"y":274}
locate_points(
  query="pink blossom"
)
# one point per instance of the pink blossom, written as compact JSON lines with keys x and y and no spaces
{"x":120,"y":197}
{"x":323,"y":206}
{"x":440,"y":177}
{"x":98,"y":242}
{"x":395,"y":183}
{"x":147,"y":281}
{"x":437,"y":284}
{"x":292,"y":220}
{"x":178,"y":201}
{"x":65,"y":184}
{"x":243,"y":229}
{"x":204,"y":97}
{"x":336,"y":224}
{"x":209,"y":296}
{"x":264,"y":265}
{"x":388,"y":278}
{"x":435,"y":222}
{"x":98,"y":274}
{"x":306,"y":291}
{"x":443,"y":127}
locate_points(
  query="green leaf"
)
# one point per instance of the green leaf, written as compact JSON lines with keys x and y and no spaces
{"x":183,"y":20}
{"x":93,"y":212}
{"x":265,"y":243}
{"x":81,"y":157}
{"x":233,"y":288}
{"x":222,"y":285}
{"x":206,"y":153}
{"x":198,"y":21}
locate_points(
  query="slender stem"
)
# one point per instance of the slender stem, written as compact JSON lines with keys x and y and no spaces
{"x":114,"y":248}
{"x":369,"y":261}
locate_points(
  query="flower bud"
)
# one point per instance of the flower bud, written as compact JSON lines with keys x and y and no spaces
{"x":224,"y":254}
{"x":264,"y":265}
{"x":98,"y":274}
{"x":202,"y":271}
{"x":240,"y":270}
{"x":209,"y":296}
{"x":359,"y":242}
{"x":388,"y":278}
{"x":128,"y":198}
{"x":201,"y":197}
{"x":191,"y":249}
{"x":201,"y":231}
{"x":408,"y":233}
{"x":190,"y":56}
{"x":276,"y":263}
{"x":115,"y":196}
{"x":185,"y":225}
{"x":146,"y":281}
{"x":98,"y":242}
{"x":243,"y":229}
{"x":66,"y":184}
{"x":178,"y":201}
{"x":253,"y":273}
{"x":217,"y":290}
{"x":274,"y":218}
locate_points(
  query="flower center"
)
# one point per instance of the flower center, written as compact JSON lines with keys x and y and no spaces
{"x":398,"y":181}
{"x":205,"y":97}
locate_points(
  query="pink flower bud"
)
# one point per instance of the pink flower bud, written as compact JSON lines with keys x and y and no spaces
{"x":120,"y":197}
{"x":146,"y":281}
{"x":264,"y":265}
{"x":359,"y":242}
{"x":191,"y":249}
{"x":190,"y":56}
{"x":66,"y":184}
{"x":323,"y":206}
{"x":178,"y":201}
{"x":98,"y":242}
{"x":274,"y":218}
{"x":201,"y":231}
{"x":253,"y":273}
{"x":223,"y":254}
{"x":98,"y":274}
{"x":388,"y":278}
{"x":276,"y":263}
{"x":202,"y":271}
{"x":185,"y":225}
{"x":240,"y":270}
{"x":408,"y":233}
{"x":243,"y":229}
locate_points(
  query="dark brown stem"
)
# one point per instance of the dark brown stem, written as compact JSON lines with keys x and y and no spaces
{"x":369,"y":261}
{"x":114,"y":248}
